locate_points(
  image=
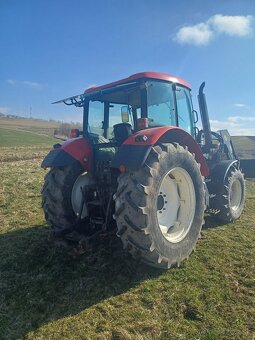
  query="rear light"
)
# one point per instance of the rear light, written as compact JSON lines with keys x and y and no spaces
{"x":74,"y":133}
{"x":142,"y":123}
{"x":122,"y":168}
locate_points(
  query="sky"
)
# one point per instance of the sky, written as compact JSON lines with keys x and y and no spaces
{"x":54,"y":49}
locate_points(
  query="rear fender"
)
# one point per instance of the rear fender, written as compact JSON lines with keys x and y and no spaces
{"x":135,"y":150}
{"x":71,"y":151}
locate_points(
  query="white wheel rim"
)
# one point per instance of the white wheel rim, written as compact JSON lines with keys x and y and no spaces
{"x":235,"y":195}
{"x":76,"y":197}
{"x":176,"y":204}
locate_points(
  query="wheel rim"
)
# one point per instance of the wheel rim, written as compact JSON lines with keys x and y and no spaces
{"x":235,"y":195}
{"x":76,"y":197}
{"x":176,"y":204}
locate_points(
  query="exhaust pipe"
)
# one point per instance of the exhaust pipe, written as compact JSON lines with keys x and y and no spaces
{"x":205,"y":118}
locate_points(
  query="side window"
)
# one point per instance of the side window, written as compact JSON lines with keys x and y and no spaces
{"x":184,"y":110}
{"x":96,"y":118}
{"x":160,"y":104}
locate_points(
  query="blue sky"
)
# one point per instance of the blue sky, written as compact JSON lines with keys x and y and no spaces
{"x":50,"y":50}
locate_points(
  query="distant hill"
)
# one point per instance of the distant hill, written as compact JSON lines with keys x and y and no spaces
{"x":40,"y":126}
{"x":244,"y":146}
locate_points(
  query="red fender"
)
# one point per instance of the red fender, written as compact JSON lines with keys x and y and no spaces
{"x":72,"y":150}
{"x":79,"y":149}
{"x":170,"y":134}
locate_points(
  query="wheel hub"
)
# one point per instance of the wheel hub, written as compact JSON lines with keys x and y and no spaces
{"x":176,"y":204}
{"x":77,"y":196}
{"x":235,"y":195}
{"x":161,"y":202}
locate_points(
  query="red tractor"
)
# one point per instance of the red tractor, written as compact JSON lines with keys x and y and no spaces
{"x":142,"y":166}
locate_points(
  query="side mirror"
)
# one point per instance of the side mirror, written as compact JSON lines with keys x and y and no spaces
{"x":125,"y":114}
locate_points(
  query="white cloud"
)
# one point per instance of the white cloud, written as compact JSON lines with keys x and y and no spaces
{"x":236,"y":119}
{"x":33,"y":84}
{"x":11,"y":81}
{"x":202,"y":34}
{"x":4,"y":109}
{"x":199,"y":34}
{"x":242,"y":105}
{"x":232,"y":25}
{"x":236,"y":125}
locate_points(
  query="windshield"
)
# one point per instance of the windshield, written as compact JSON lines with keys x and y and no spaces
{"x":160,"y":104}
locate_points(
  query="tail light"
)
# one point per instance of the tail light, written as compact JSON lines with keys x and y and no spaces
{"x":74,"y":133}
{"x":142,"y":123}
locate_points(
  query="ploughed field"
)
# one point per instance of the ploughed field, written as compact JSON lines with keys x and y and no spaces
{"x":48,"y":293}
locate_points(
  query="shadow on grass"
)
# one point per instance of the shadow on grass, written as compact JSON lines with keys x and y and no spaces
{"x":212,"y":221}
{"x":40,"y":283}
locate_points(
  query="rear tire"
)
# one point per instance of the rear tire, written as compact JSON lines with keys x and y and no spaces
{"x":159,"y":209}
{"x":56,"y":198}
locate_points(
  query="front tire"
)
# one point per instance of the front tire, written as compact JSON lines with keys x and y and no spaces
{"x":230,"y":201}
{"x":159,"y":209}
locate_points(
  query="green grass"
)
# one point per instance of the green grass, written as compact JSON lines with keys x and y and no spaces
{"x":11,"y":138}
{"x":47,"y":293}
{"x":32,"y":125}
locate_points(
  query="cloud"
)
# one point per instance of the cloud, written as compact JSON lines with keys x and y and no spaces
{"x":237,"y":119}
{"x":33,"y":84}
{"x":11,"y":81}
{"x":199,"y":34}
{"x":242,"y":105}
{"x":203,"y":33}
{"x":232,"y":25}
{"x":236,"y":125}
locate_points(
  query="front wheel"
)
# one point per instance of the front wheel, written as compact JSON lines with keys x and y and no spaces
{"x":230,"y":201}
{"x":159,"y":209}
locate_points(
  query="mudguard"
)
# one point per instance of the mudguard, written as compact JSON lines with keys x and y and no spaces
{"x":134,"y":151}
{"x":70,"y":151}
{"x":218,"y":175}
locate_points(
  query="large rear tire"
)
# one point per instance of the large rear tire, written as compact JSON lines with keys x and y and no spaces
{"x":159,"y":209}
{"x":57,"y":201}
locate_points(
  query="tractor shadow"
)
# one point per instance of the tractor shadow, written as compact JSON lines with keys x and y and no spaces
{"x":211,"y":222}
{"x":40,"y":282}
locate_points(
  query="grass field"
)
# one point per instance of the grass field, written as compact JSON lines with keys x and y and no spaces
{"x":46,"y":293}
{"x":32,"y":125}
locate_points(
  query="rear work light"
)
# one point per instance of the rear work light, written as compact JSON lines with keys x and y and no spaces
{"x":142,"y":123}
{"x":74,"y":133}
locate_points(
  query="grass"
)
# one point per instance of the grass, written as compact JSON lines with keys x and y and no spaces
{"x":46,"y":293}
{"x":12,"y":138}
{"x":32,"y":125}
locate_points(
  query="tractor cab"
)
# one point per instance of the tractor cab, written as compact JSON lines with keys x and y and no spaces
{"x":144,"y":100}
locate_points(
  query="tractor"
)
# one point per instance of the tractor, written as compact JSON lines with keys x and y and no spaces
{"x":141,"y":168}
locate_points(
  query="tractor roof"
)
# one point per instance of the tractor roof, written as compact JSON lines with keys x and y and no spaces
{"x":141,"y":75}
{"x":78,"y":100}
